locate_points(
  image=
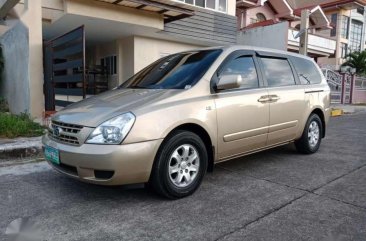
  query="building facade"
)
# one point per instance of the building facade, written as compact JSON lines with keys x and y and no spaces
{"x":336,"y":29}
{"x":60,"y":51}
{"x":348,"y":31}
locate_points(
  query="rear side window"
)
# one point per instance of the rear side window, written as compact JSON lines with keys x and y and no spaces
{"x":307,"y":71}
{"x":243,"y":66}
{"x":278,"y":72}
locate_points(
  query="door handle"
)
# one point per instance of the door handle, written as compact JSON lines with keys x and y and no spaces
{"x":274,"y":98}
{"x":264,"y":99}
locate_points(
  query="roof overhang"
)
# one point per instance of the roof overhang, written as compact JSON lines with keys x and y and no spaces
{"x":282,"y":9}
{"x":318,"y":20}
{"x":244,"y":4}
{"x":343,"y":4}
{"x":171,"y":10}
{"x":6,"y":6}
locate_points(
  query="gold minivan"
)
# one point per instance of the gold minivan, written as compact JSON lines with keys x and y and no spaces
{"x":172,"y":121}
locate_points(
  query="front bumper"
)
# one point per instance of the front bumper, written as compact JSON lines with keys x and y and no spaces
{"x":127,"y":164}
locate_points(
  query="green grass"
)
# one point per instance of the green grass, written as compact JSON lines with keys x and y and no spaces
{"x":22,"y":125}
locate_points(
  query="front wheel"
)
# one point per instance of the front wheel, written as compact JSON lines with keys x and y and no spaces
{"x":311,"y":138}
{"x":180,"y":165}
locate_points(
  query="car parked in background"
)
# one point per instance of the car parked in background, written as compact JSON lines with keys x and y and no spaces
{"x":172,"y":121}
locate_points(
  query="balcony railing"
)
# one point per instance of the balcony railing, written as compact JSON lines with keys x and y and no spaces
{"x":315,"y":43}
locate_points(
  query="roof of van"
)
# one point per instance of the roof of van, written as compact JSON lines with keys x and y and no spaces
{"x":247,"y":47}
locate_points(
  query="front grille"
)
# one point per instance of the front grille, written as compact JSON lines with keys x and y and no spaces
{"x":64,"y":132}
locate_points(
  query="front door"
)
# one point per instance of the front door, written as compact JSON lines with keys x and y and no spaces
{"x":242,"y":113}
{"x":286,"y":99}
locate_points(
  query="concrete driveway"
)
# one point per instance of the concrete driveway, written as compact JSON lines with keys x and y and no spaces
{"x":273,"y":195}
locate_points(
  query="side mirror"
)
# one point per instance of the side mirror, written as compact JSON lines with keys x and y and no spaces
{"x":231,"y":81}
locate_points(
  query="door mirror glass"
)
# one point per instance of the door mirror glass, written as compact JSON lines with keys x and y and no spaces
{"x":231,"y":81}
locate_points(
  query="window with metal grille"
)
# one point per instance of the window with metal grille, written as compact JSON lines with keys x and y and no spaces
{"x":333,"y":23}
{"x":344,"y":50}
{"x":345,"y":27}
{"x":355,"y":36}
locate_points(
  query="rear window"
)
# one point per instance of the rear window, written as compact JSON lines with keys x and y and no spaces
{"x":177,"y":71}
{"x":307,"y":71}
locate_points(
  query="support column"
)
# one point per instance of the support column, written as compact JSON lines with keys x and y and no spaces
{"x":343,"y":93}
{"x":304,"y":26}
{"x":353,"y":79}
{"x":32,"y":19}
{"x":126,"y":58}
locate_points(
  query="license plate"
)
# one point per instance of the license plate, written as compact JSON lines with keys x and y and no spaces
{"x":52,"y":155}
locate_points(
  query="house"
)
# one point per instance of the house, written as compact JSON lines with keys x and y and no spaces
{"x":61,"y":51}
{"x":336,"y":26}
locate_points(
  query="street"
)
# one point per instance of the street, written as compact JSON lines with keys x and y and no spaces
{"x":273,"y":195}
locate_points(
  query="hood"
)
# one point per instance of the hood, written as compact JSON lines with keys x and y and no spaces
{"x":97,"y":109}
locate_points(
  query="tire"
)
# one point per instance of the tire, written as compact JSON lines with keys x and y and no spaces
{"x":170,"y":176}
{"x":310,"y":140}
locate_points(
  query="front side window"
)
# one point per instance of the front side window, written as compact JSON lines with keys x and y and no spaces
{"x":278,"y":72}
{"x":243,"y":66}
{"x":307,"y":71}
{"x":176,"y":71}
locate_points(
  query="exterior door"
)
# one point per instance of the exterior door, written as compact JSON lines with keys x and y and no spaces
{"x":242,"y":113}
{"x":286,"y":95}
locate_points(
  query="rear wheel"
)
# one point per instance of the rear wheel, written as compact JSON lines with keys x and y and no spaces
{"x":311,"y":138}
{"x":179,"y":165}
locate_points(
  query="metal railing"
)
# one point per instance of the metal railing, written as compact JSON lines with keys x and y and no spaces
{"x":334,"y":80}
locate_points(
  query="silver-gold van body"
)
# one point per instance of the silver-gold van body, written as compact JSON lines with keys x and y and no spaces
{"x":236,"y":122}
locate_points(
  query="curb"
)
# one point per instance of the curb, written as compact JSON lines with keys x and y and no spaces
{"x":21,"y":148}
{"x":336,"y":112}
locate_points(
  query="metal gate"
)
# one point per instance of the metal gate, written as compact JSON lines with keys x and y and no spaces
{"x":340,"y":86}
{"x":64,"y":69}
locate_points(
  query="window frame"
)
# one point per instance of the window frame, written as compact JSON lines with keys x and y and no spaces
{"x":234,"y":55}
{"x":267,"y":55}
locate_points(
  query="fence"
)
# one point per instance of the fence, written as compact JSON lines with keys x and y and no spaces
{"x":345,"y":88}
{"x":359,"y":91}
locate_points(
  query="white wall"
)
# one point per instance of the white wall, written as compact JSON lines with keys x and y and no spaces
{"x":23,"y":75}
{"x":147,"y":50}
{"x":259,"y":37}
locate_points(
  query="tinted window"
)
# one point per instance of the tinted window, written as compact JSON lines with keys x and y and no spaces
{"x":177,"y":71}
{"x":278,"y":72}
{"x":307,"y":71}
{"x":243,"y":66}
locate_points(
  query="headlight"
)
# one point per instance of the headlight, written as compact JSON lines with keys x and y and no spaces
{"x":112,"y":131}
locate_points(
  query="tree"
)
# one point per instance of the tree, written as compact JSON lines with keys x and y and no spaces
{"x":357,"y":60}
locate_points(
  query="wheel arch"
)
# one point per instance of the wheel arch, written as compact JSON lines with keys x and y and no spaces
{"x":321,"y":115}
{"x":204,"y":135}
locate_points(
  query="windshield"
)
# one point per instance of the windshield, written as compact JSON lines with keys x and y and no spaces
{"x":177,"y":71}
